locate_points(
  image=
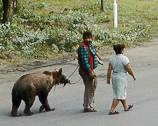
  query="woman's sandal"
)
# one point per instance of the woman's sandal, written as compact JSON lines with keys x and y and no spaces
{"x":129,"y":107}
{"x":113,"y":113}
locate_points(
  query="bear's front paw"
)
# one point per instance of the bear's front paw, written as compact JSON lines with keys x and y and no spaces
{"x":50,"y":109}
{"x":28,"y":114}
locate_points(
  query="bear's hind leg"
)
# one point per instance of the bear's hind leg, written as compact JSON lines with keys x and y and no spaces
{"x":15,"y":107}
{"x":16,"y":100}
{"x":28,"y":103}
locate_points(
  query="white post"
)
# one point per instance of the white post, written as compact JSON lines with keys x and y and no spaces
{"x":115,"y":14}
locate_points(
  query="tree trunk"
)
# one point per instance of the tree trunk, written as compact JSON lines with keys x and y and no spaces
{"x":102,"y":5}
{"x":6,"y":10}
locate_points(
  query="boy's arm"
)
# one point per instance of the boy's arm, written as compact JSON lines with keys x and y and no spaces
{"x":99,"y":58}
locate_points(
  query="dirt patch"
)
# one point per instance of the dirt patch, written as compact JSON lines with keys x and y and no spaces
{"x":7,"y":68}
{"x":105,"y":52}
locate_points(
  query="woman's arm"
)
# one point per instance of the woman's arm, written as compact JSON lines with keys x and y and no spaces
{"x":130,"y":71}
{"x":109,"y":73}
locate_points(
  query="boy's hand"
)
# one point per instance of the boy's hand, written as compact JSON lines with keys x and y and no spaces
{"x":92,"y":75}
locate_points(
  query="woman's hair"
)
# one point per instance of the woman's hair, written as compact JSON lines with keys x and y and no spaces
{"x":118,"y":48}
{"x":87,"y":34}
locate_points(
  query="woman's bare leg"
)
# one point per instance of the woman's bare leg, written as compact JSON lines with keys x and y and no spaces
{"x":125,"y":105}
{"x":115,"y":102}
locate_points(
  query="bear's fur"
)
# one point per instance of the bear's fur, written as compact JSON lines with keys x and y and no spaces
{"x":29,"y":86}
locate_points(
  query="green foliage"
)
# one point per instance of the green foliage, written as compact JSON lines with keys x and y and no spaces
{"x":102,"y":19}
{"x":6,"y":33}
{"x":40,"y":5}
{"x":37,"y":30}
{"x":135,"y":33}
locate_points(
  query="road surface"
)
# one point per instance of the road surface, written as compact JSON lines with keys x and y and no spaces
{"x":143,"y":93}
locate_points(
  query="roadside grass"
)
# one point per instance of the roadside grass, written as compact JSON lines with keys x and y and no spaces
{"x":46,"y":29}
{"x":139,"y":12}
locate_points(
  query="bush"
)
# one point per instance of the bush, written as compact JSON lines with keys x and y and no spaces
{"x":30,"y":34}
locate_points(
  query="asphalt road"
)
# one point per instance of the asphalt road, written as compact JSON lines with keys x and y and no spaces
{"x":143,"y":93}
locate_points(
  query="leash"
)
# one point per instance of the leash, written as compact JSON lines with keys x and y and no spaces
{"x":73,"y":71}
{"x":54,"y":88}
{"x":72,"y":74}
{"x":76,"y":82}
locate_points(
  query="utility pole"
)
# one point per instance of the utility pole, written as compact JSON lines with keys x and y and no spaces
{"x":115,"y":14}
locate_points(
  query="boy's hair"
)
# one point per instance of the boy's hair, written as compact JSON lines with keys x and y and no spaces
{"x":87,"y":34}
{"x":118,"y":48}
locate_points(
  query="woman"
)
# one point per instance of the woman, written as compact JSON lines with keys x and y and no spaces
{"x":119,"y":66}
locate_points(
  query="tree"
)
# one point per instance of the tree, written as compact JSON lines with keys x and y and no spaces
{"x":102,"y":5}
{"x":7,"y":6}
{"x":6,"y":10}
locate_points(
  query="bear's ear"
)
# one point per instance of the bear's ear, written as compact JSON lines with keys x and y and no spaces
{"x":60,"y":71}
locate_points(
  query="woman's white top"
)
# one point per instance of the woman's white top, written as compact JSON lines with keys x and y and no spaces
{"x":118,"y":62}
{"x":119,"y":76}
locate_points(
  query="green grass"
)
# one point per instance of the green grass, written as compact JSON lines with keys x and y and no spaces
{"x":139,"y":12}
{"x":57,"y":5}
{"x":130,"y":11}
{"x":138,"y":22}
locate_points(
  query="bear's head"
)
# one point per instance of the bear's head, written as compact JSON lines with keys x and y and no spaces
{"x":60,"y":78}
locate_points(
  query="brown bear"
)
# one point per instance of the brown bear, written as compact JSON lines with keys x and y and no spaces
{"x":29,"y":86}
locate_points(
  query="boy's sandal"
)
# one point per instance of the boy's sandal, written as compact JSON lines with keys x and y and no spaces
{"x":89,"y":110}
{"x":129,"y":107}
{"x":113,"y":113}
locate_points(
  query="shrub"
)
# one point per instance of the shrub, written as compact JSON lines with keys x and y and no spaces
{"x":30,"y":34}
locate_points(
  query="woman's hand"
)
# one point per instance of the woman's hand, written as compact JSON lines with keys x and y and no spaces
{"x":109,"y":73}
{"x":108,"y":80}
